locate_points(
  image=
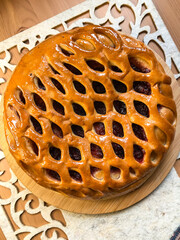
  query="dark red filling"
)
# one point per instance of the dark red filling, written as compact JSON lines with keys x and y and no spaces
{"x":159,"y":107}
{"x":115,"y":170}
{"x":99,"y":128}
{"x":79,"y":87}
{"x":33,"y":146}
{"x":56,"y":130}
{"x":96,"y":151}
{"x":132,"y":171}
{"x":66,"y":52}
{"x":36,"y":125}
{"x":78,"y":130}
{"x":120,"y":107}
{"x":138,"y":66}
{"x":119,"y":86}
{"x":53,"y":69}
{"x":100,"y":107}
{"x":39,"y":102}
{"x":119,"y":151}
{"x":14,"y":112}
{"x":75,"y":175}
{"x":141,"y":108}
{"x":58,"y":107}
{"x":75,"y":153}
{"x":72,"y":69}
{"x":78,"y":109}
{"x":115,"y":68}
{"x":97,"y":66}
{"x":55,"y":153}
{"x":118,"y":129}
{"x":142,"y":87}
{"x":98,"y":87}
{"x":93,"y":170}
{"x":53,"y":174}
{"x":58,"y":85}
{"x":40,"y":84}
{"x":21,"y":97}
{"x":139,"y":132}
{"x":138,"y":153}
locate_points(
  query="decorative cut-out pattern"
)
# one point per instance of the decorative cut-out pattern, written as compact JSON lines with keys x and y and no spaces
{"x":114,"y":17}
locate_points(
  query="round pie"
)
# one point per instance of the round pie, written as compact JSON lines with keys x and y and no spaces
{"x":89,"y":113}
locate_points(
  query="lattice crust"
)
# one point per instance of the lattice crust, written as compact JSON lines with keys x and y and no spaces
{"x":89,"y":112}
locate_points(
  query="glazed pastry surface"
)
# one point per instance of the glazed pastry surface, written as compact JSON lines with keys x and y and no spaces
{"x":89,"y":113}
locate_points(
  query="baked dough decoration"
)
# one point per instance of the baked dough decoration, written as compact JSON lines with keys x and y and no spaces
{"x":89,"y":113}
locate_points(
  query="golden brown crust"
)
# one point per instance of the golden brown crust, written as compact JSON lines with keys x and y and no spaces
{"x":89,"y":113}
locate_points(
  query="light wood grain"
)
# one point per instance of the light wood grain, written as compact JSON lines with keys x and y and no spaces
{"x":2,"y":237}
{"x":18,"y":15}
{"x":170,"y":13}
{"x":101,"y":206}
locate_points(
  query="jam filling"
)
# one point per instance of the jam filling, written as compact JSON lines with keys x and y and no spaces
{"x":36,"y":125}
{"x":138,"y":153}
{"x":39,"y":102}
{"x":115,"y":68}
{"x":58,"y":107}
{"x":93,"y":170}
{"x":96,"y":151}
{"x":78,"y":130}
{"x":32,"y":146}
{"x":75,"y":153}
{"x":97,"y":173}
{"x":56,"y":130}
{"x":118,"y":150}
{"x":66,"y":52}
{"x":119,"y":86}
{"x":53,"y":174}
{"x":100,"y":107}
{"x":159,"y":107}
{"x":53,"y":69}
{"x":72,"y":69}
{"x":118,"y":129}
{"x":39,"y":83}
{"x":97,"y":66}
{"x":115,"y":172}
{"x":75,"y":175}
{"x":98,"y":87}
{"x":21,"y":97}
{"x":139,"y":132}
{"x":141,"y":108}
{"x":79,"y":87}
{"x":55,"y":153}
{"x":58,"y":85}
{"x":78,"y":109}
{"x":142,"y":87}
{"x":99,"y":128}
{"x":132,"y":171}
{"x":138,"y":65}
{"x":120,"y":107}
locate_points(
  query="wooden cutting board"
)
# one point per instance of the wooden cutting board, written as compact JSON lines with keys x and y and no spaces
{"x":101,"y":206}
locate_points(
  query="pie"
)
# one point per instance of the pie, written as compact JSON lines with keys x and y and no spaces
{"x":89,"y":113}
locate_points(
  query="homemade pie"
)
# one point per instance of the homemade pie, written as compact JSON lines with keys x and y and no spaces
{"x":89,"y":113}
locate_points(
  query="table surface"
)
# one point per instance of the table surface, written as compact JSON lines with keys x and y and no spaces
{"x":16,"y":16}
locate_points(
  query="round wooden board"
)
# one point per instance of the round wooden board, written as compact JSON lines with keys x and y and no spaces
{"x":101,"y":206}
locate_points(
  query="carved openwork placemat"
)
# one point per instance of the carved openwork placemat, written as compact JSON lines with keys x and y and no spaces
{"x":156,"y":35}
